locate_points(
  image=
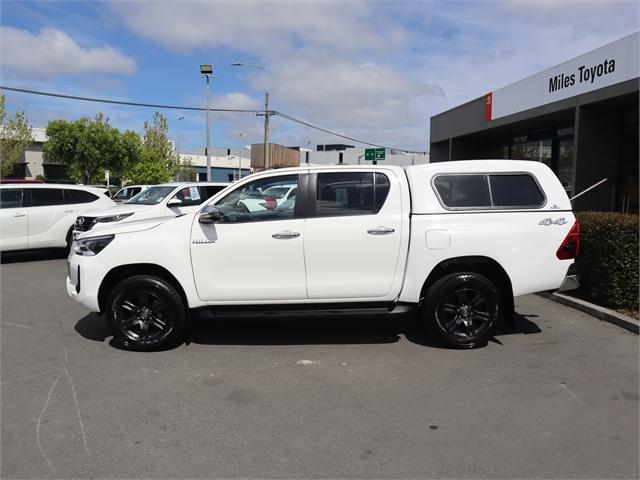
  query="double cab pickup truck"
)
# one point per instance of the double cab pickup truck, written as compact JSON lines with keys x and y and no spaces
{"x":455,"y":241}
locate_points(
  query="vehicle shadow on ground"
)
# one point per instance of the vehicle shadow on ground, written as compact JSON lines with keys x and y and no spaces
{"x":24,"y":256}
{"x":207,"y":329}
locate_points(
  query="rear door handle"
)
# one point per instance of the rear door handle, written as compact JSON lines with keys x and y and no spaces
{"x":285,"y":234}
{"x":381,"y":231}
{"x":19,"y":215}
{"x":68,"y":211}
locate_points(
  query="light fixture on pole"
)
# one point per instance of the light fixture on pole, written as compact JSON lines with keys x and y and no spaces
{"x":207,"y":73}
{"x":266,"y":114}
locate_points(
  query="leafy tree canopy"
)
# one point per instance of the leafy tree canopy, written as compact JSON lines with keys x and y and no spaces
{"x":15,"y":137}
{"x":159,"y":161}
{"x":89,"y":147}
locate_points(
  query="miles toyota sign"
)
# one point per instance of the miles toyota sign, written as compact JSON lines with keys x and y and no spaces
{"x":605,"y":66}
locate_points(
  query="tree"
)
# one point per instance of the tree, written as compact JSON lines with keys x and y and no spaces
{"x":15,"y":137}
{"x":89,"y":147}
{"x":186,"y":171}
{"x":159,"y":161}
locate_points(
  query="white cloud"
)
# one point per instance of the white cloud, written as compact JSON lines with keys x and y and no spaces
{"x":340,"y":94}
{"x":260,"y":27}
{"x":52,"y":52}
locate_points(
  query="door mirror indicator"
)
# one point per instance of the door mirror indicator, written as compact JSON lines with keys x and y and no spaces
{"x":210,"y":214}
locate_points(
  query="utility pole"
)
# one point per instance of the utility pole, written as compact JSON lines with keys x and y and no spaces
{"x":267,"y":156}
{"x":267,"y":114}
{"x":240,"y":158}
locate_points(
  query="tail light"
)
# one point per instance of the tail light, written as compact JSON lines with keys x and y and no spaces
{"x":571,"y":244}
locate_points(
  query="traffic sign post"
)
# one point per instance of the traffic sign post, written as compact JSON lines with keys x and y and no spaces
{"x":374,"y":154}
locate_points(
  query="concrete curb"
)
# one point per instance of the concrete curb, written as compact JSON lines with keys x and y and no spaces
{"x":597,"y":311}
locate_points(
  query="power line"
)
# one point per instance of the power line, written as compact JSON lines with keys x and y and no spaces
{"x":306,"y":124}
{"x":120,"y":102}
{"x":202,"y":109}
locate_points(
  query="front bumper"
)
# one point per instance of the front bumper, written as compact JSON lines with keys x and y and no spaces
{"x":85,"y":274}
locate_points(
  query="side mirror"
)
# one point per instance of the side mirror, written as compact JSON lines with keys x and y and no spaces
{"x":210,"y":214}
{"x":174,"y":202}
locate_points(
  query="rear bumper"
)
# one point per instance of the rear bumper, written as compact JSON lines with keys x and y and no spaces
{"x":572,"y":279}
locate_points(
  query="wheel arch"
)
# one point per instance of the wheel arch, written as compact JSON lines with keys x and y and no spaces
{"x":122,"y":272}
{"x":485,"y":266}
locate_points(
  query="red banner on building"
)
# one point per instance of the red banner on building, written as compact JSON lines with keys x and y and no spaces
{"x":487,"y":106}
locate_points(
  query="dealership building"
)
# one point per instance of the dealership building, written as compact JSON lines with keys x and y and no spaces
{"x":580,"y":118}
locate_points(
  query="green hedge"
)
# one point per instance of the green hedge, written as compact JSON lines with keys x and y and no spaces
{"x":608,"y":258}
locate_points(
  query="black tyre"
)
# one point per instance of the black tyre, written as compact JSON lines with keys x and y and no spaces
{"x":146,"y":313}
{"x":462,"y":308}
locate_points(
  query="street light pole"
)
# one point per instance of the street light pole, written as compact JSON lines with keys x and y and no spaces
{"x":207,"y":71}
{"x":208,"y":151}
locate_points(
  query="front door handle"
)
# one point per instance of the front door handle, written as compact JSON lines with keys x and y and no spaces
{"x":381,"y":231}
{"x":68,"y":211}
{"x":19,"y":215}
{"x":285,"y":234}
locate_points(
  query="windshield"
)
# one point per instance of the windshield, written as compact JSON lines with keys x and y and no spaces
{"x":126,"y":192}
{"x":151,"y":196}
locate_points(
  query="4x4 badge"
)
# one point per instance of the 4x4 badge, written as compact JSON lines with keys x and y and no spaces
{"x":548,"y":221}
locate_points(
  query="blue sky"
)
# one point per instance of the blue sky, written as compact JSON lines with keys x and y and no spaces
{"x":374,"y":70}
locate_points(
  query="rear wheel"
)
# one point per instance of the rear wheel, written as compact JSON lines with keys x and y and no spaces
{"x":146,"y":313}
{"x":462,"y":309}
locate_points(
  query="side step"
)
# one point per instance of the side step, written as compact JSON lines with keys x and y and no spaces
{"x":307,"y":310}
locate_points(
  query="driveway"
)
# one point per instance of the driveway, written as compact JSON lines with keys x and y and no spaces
{"x":331,"y":396}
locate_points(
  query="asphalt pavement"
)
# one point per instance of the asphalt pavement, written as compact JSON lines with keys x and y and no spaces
{"x":321,"y":397}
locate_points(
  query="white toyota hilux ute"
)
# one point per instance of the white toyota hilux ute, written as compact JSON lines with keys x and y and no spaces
{"x":458,"y":240}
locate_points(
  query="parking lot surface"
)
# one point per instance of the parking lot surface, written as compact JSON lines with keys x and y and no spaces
{"x":338,"y":397}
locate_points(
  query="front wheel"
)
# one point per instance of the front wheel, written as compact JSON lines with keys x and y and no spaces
{"x":462,"y":309}
{"x":146,"y":313}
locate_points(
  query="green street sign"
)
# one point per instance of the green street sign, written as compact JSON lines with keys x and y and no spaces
{"x":374,"y":153}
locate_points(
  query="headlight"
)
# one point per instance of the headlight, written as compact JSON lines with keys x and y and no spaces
{"x":89,"y":247}
{"x":112,"y":218}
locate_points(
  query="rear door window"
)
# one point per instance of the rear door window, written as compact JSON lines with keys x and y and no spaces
{"x":11,"y":198}
{"x":350,"y":193}
{"x":43,"y":197}
{"x":78,"y":196}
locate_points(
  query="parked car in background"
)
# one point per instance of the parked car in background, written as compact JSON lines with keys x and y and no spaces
{"x":455,"y":241}
{"x":19,"y":180}
{"x":269,"y":198}
{"x":42,"y":215}
{"x":157,"y":201}
{"x":128,"y":192}
{"x":103,"y":189}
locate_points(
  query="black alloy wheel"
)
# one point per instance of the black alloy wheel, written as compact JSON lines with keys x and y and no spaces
{"x":146,"y":313}
{"x":462,"y":308}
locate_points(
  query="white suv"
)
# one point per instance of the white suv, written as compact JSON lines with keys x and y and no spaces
{"x":42,"y":215}
{"x":159,"y":201}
